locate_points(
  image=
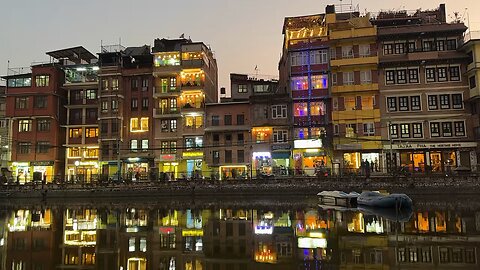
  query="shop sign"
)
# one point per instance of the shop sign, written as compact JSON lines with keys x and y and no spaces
{"x":192,"y":232}
{"x":281,"y":147}
{"x":263,"y":229}
{"x":20,"y":164}
{"x":166,"y":230}
{"x":308,"y":242}
{"x":351,"y":146}
{"x":314,"y":154}
{"x":88,"y":163}
{"x":167,"y":157}
{"x":305,"y":144}
{"x":42,"y":163}
{"x":192,"y":154}
{"x":429,"y":145}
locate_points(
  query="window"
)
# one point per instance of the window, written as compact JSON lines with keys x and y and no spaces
{"x":261,"y":88}
{"x":131,"y":244}
{"x":454,"y":73}
{"x":91,"y":132}
{"x":347,"y":52}
{"x":430,"y":74}
{"x":280,"y":136}
{"x":91,"y":94}
{"x":43,"y":147}
{"x":369,"y":129}
{"x":139,"y":125}
{"x":114,"y":105}
{"x":472,"y":82}
{"x":227,"y":120}
{"x":350,"y":103}
{"x":24,"y":147}
{"x":447,"y":129}
{"x":215,"y":120}
{"x":348,"y":78}
{"x":405,"y":130}
{"x":24,"y":125}
{"x":415,"y":103}
{"x":432,"y":102}
{"x":279,"y":111}
{"x":193,"y":143}
{"x":393,"y":131}
{"x":144,"y":84}
{"x":451,"y":44}
{"x":440,"y":45}
{"x":444,"y":101}
{"x":300,"y":83}
{"x":457,"y":102}
{"x":173,"y":125}
{"x":104,"y":106}
{"x":367,"y":102}
{"x":75,"y":133}
{"x":42,"y":80}
{"x":43,"y":125}
{"x":442,"y":74}
{"x":134,"y":104}
{"x":335,"y":103}
{"x":298,"y":58}
{"x":387,"y":48}
{"x":336,"y":129}
{"x":401,"y":76}
{"x":40,"y":102}
{"x":350,"y":130}
{"x":364,"y":50}
{"x":242,"y":88}
{"x":412,"y":46}
{"x":228,"y":156}
{"x":389,"y":77}
{"x":134,"y":84}
{"x":105,"y":84}
{"x":145,"y":103}
{"x":403,"y":103}
{"x":334,"y":78}
{"x":240,"y":156}
{"x":427,"y":45}
{"x":240,"y":119}
{"x":319,"y":81}
{"x":399,"y":48}
{"x":366,"y":77}
{"x":133,"y":145}
{"x":21,"y":103}
{"x":333,"y":53}
{"x":318,"y":57}
{"x":143,"y":244}
{"x":417,"y":130}
{"x":216,"y":157}
{"x":114,"y":84}
{"x":413,"y":75}
{"x":459,"y":128}
{"x":434,"y":129}
{"x":115,"y":125}
{"x":144,"y":144}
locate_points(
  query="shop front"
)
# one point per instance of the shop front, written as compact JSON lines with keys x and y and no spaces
{"x":137,"y":169}
{"x":309,"y":157}
{"x":168,"y":166}
{"x":83,"y":171}
{"x":435,"y":157}
{"x":281,"y":155}
{"x":21,"y":172}
{"x":33,"y":171}
{"x":262,"y":163}
{"x":233,"y":172}
{"x":192,"y":164}
{"x":356,"y":161}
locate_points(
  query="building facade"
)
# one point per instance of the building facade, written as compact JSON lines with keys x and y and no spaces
{"x":423,"y":92}
{"x":4,"y":135}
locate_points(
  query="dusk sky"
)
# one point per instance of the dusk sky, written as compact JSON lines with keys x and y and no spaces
{"x":242,"y":33}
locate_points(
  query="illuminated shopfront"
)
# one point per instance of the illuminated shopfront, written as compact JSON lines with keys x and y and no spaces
{"x":24,"y":172}
{"x":168,"y":167}
{"x":193,"y":162}
{"x":354,"y":160}
{"x":281,"y":154}
{"x":137,"y":168}
{"x":262,"y":163}
{"x":308,"y":155}
{"x":233,"y":172}
{"x":24,"y":220}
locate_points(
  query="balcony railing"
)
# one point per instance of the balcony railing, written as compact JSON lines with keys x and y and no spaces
{"x":165,"y":90}
{"x":161,"y":111}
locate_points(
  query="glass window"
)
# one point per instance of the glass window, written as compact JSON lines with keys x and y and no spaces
{"x":133,"y":145}
{"x":91,"y":94}
{"x":43,"y":147}
{"x":457,"y":102}
{"x":300,"y":109}
{"x":319,"y":82}
{"x":387,"y":48}
{"x":347,"y":52}
{"x":40,"y":102}
{"x":366,"y":77}
{"x":43,"y":125}
{"x":24,"y":125}
{"x":134,"y":124}
{"x":451,"y":44}
{"x":242,"y":88}
{"x":401,"y":76}
{"x":367,"y":102}
{"x":364,"y":50}
{"x":279,"y":111}
{"x":403,"y":103}
{"x":240,"y":119}
{"x":21,"y":103}
{"x":432,"y":102}
{"x":459,"y":128}
{"x":261,"y":88}
{"x":413,"y":75}
{"x":415,"y":103}
{"x":104,"y":84}
{"x":447,"y":129}
{"x":143,"y":244}
{"x":42,"y":80}
{"x":227,"y":120}
{"x":134,"y":104}
{"x":399,"y":48}
{"x":412,"y":46}
{"x":389,"y":77}
{"x":318,"y":57}
{"x":369,"y":129}
{"x":427,"y":45}
{"x":114,"y":105}
{"x":131,"y":244}
{"x":75,"y":133}
{"x":317,"y":108}
{"x":405,"y":130}
{"x":440,"y":45}
{"x":215,"y":120}
{"x":91,"y":132}
{"x":350,"y":130}
{"x":454,"y":73}
{"x":350,"y":103}
{"x":144,"y":144}
{"x":167,"y":59}
{"x":348,"y":78}
{"x":280,"y":136}
{"x":104,"y":106}
{"x":24,"y":147}
{"x":444,"y":101}
{"x":434,"y":129}
{"x":298,"y":58}
{"x":430,"y":75}
{"x":114,"y":84}
{"x":144,"y":123}
{"x":300,"y":83}
{"x":417,"y":129}
{"x":145,"y":103}
{"x":393,"y":131}
{"x":442,"y":74}
{"x":392,"y":104}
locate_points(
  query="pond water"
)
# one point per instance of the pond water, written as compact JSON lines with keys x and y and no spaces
{"x":237,"y":233}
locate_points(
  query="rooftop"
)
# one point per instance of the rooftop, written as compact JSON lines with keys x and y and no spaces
{"x":74,"y":54}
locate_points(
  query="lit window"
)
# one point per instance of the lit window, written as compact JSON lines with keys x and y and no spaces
{"x":280,"y":136}
{"x":139,"y":126}
{"x":144,"y":123}
{"x":367,"y":102}
{"x":300,"y":83}
{"x":131,"y":244}
{"x":75,"y":133}
{"x":24,"y":125}
{"x":300,"y":109}
{"x":350,"y":103}
{"x":143,"y":244}
{"x":42,"y":80}
{"x":317,"y":108}
{"x":350,"y":130}
{"x":369,"y":129}
{"x":320,"y":81}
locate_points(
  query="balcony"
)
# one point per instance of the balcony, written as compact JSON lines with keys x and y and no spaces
{"x":420,"y":55}
{"x":166,"y":112}
{"x":193,"y":63}
{"x":81,"y":75}
{"x":353,"y":33}
{"x":193,"y":107}
{"x":305,"y":122}
{"x":474,"y":92}
{"x":193,"y":130}
{"x":192,"y":85}
{"x":368,"y":60}
{"x":356,"y":114}
{"x":355,"y":88}
{"x":163,"y":91}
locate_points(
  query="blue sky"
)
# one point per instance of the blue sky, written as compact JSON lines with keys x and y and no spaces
{"x":242,"y":33}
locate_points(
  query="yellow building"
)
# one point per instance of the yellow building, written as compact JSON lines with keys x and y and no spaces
{"x":355,"y":94}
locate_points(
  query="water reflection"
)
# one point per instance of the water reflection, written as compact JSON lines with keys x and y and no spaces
{"x":266,"y":237}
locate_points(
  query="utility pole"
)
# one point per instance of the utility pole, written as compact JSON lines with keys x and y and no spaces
{"x":119,"y":163}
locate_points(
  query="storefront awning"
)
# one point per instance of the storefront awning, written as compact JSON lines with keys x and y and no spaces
{"x":280,"y":155}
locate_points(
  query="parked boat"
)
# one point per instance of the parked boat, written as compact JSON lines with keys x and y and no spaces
{"x":338,"y":198}
{"x":400,"y":214}
{"x":376,"y":199}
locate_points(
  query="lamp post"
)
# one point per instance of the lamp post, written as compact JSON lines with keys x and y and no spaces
{"x":77,"y":163}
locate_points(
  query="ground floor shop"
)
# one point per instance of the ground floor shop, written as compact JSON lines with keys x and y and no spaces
{"x":433,"y":158}
{"x":233,"y":172}
{"x":82,"y":171}
{"x":23,"y":172}
{"x":359,"y":161}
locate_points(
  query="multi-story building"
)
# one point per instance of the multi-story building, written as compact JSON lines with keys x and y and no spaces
{"x":355,"y":110}
{"x":185,"y":79}
{"x":4,"y":135}
{"x":304,"y":75}
{"x":35,"y":110}
{"x":422,"y":91}
{"x":81,"y":87}
{"x":472,"y":48}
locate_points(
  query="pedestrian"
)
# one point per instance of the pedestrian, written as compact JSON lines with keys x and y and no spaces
{"x":367,"y":168}
{"x":362,"y":167}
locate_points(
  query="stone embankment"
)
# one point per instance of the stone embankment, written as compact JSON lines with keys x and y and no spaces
{"x":281,"y":187}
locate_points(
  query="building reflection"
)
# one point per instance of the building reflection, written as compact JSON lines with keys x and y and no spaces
{"x":131,"y":238}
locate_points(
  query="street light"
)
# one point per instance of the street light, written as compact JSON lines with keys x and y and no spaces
{"x":77,"y":163}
